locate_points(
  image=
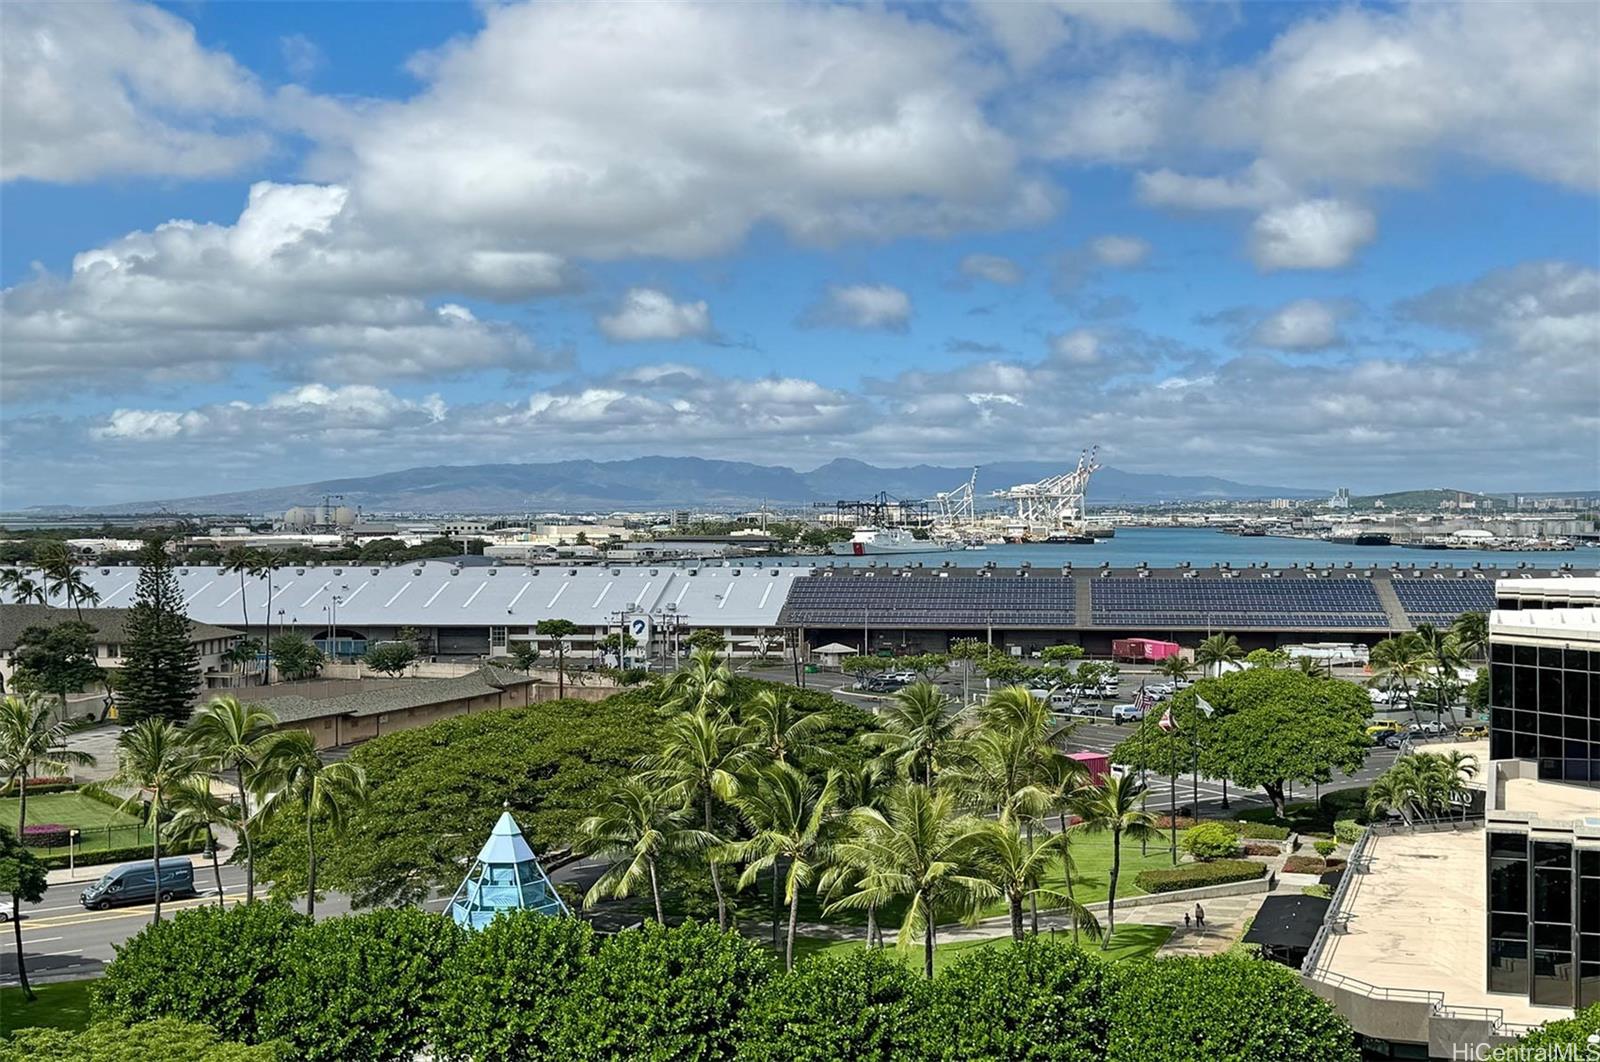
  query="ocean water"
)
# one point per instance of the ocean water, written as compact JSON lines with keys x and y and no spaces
{"x":1162,"y":547}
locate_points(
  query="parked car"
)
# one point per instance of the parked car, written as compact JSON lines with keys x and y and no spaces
{"x":8,"y":910}
{"x":1094,"y":711}
{"x":1429,"y":728}
{"x":133,"y":883}
{"x":1384,"y":726}
{"x":1395,"y":741}
{"x":1472,"y":732}
{"x":1127,"y":713}
{"x":1160,"y":689}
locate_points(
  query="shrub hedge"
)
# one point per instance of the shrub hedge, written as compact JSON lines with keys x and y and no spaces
{"x":1260,"y":831}
{"x":186,"y":846}
{"x":402,"y":984}
{"x":1209,"y":840}
{"x":1347,"y":831}
{"x":1301,"y":864}
{"x":161,"y":1040}
{"x":1346,"y":804}
{"x":46,"y":835}
{"x":1194,"y":875}
{"x":1266,"y":850}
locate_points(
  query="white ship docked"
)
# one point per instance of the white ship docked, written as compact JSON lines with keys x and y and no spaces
{"x":870,"y":540}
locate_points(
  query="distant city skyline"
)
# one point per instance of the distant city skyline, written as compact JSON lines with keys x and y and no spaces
{"x":249,"y":245}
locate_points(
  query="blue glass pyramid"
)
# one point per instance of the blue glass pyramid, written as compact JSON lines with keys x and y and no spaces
{"x":505,"y":877}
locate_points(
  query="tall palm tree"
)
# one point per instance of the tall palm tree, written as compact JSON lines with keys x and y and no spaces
{"x":193,"y":803}
{"x":297,"y":781}
{"x":153,"y":757}
{"x":63,"y":577}
{"x":917,"y":724}
{"x":860,"y":786}
{"x":22,"y":588}
{"x":921,"y":848}
{"x":1018,"y":868}
{"x":791,"y":816}
{"x":1116,"y":806}
{"x":701,"y":685}
{"x":1217,"y":650}
{"x":241,"y":561}
{"x":780,"y":729}
{"x":1398,"y":661}
{"x":1443,"y":656}
{"x":236,"y":737}
{"x":1313,"y":667}
{"x":31,"y":737}
{"x":1471,"y":630}
{"x":1062,"y":778}
{"x":700,"y":759}
{"x":637,"y":827}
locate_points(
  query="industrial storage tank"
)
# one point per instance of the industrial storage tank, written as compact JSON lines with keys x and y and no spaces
{"x":299,"y":516}
{"x":344,"y":516}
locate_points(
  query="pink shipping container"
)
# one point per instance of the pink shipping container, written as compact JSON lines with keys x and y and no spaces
{"x":1097,"y":763}
{"x":1142,"y":650}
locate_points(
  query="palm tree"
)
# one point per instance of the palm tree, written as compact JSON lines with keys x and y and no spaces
{"x":1471,"y":630}
{"x":153,"y":757}
{"x":1061,"y":779}
{"x":1398,"y":661}
{"x":860,"y":786}
{"x":298,"y":781}
{"x":1018,"y":867}
{"x":780,"y":729}
{"x":700,"y":685}
{"x":791,"y":815}
{"x":1313,"y":667}
{"x":236,"y":737}
{"x":638,"y":828}
{"x":23,"y":590}
{"x":61,"y":576}
{"x":194,"y":804}
{"x":917,"y":724}
{"x":241,"y":560}
{"x":918,"y":847}
{"x":699,"y":761}
{"x":1116,"y":806}
{"x":1443,"y":655}
{"x":1175,"y":668}
{"x":32,"y":737}
{"x":1217,"y":650}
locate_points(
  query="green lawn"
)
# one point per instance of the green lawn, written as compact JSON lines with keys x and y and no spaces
{"x":103,"y":825}
{"x":60,"y":1006}
{"x":1132,"y":941}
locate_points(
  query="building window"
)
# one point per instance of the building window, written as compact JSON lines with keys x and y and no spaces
{"x":1544,"y":708}
{"x":1508,"y":913}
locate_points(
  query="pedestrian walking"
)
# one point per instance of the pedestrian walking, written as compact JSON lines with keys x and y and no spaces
{"x":1186,"y":919}
{"x":1199,"y":916}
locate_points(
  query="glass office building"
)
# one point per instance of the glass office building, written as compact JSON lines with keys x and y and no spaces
{"x":1544,"y":706}
{"x":1544,"y":920}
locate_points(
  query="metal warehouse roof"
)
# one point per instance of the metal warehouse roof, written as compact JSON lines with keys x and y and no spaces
{"x":438,"y":593}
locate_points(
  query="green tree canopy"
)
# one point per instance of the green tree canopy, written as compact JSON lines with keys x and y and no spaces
{"x":57,"y":660}
{"x":390,"y":658}
{"x":864,"y":1004}
{"x":295,"y":657}
{"x":1039,"y":999}
{"x":160,"y":665}
{"x":1271,"y":726}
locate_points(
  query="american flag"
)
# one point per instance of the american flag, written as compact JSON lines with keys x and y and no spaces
{"x":1144,"y":700}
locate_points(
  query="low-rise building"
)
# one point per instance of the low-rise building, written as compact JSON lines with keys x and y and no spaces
{"x":111,"y":635}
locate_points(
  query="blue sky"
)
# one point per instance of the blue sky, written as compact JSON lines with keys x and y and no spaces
{"x":1292,"y":243}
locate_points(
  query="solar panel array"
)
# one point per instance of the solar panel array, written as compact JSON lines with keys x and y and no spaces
{"x":1240,"y":602}
{"x":883,"y":600}
{"x":1440,"y":601}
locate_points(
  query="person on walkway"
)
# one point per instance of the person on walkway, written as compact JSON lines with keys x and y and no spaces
{"x":1186,"y":919}
{"x":1199,"y":916}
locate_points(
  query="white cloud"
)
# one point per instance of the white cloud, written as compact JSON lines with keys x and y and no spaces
{"x":301,"y":56}
{"x":1080,"y":347}
{"x":113,"y":89}
{"x":994,"y":268}
{"x":1120,"y":252}
{"x":1313,"y":234}
{"x":1257,"y":187}
{"x":649,"y":314}
{"x":1027,"y":32}
{"x":1301,"y":325}
{"x":1121,"y":117}
{"x":296,"y":281}
{"x":602,"y":130}
{"x":137,"y":425}
{"x":866,"y":307}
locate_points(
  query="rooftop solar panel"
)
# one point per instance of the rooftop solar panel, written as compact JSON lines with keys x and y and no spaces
{"x":1291,"y":604}
{"x":1440,"y":601}
{"x":847,"y":600}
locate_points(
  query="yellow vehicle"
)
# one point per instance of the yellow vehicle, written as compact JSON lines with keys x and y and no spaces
{"x":1472,"y":732}
{"x":1384,"y":726}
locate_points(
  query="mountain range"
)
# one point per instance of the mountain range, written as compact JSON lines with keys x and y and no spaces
{"x":654,"y":483}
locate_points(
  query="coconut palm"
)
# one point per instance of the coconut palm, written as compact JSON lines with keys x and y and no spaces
{"x":1061,"y":778}
{"x":1471,"y":630}
{"x":638,"y":827}
{"x":860,"y":786}
{"x":921,"y":848}
{"x":700,"y":760}
{"x":701,"y":685}
{"x":780,"y":729}
{"x":22,"y":588}
{"x":918,"y":723}
{"x":1018,"y":868}
{"x":1176,"y":668}
{"x":242,"y":561}
{"x":1217,"y":650}
{"x":62,"y":577}
{"x":298,"y":782}
{"x":1398,"y":662}
{"x":1443,"y":658}
{"x":791,"y":816}
{"x":236,"y":737}
{"x":1313,"y":667}
{"x":155,"y":758}
{"x":193,"y":803}
{"x":31,"y":737}
{"x":1116,"y":806}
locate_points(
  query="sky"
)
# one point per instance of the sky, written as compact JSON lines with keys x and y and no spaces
{"x":245,"y":245}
